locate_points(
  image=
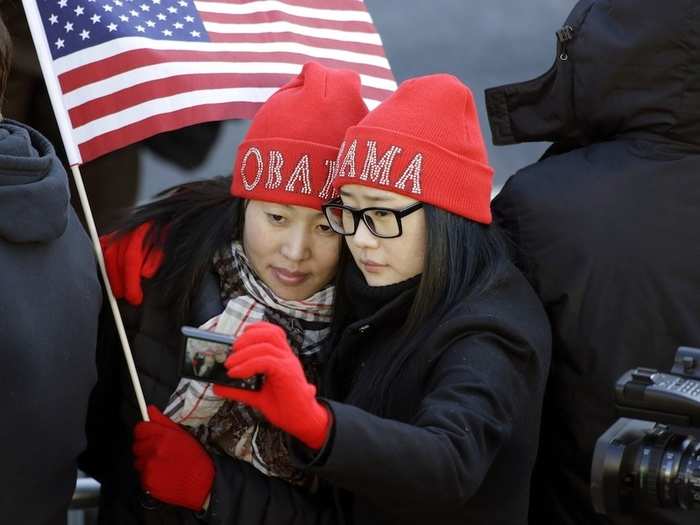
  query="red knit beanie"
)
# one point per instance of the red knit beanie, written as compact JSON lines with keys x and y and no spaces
{"x":425,"y":142}
{"x":288,"y":155}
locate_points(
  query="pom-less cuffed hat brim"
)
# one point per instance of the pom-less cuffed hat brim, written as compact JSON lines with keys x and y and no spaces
{"x":422,"y":170}
{"x":285,"y":171}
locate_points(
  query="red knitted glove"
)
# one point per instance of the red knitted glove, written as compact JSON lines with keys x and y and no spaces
{"x":127,"y":259}
{"x":172,"y":464}
{"x":287,"y":400}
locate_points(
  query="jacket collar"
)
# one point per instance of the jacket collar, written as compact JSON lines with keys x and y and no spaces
{"x":372,"y":304}
{"x":621,"y":70}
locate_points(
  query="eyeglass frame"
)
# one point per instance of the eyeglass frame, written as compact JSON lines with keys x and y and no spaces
{"x":359,"y":215}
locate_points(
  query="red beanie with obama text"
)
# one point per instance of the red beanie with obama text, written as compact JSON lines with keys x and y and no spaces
{"x":289,"y":152}
{"x":425,"y":142}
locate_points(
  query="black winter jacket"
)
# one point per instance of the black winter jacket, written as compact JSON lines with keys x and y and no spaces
{"x":155,"y":341}
{"x":607,"y":221}
{"x":49,"y":307}
{"x":457,"y":442}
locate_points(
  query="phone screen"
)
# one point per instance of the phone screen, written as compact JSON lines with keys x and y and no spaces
{"x":203,"y":359}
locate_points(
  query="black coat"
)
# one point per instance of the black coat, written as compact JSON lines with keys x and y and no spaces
{"x":458,"y":440}
{"x":49,"y":306}
{"x":607,"y":221}
{"x":156,"y":343}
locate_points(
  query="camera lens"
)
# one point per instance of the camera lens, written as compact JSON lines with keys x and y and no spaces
{"x":642,"y":465}
{"x":668,"y":469}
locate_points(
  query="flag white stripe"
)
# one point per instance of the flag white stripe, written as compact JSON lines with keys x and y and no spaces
{"x":272,"y":5}
{"x":169,"y":104}
{"x":143,"y":74}
{"x":288,"y":27}
{"x":371,"y":104}
{"x":109,"y":49}
{"x":173,"y":103}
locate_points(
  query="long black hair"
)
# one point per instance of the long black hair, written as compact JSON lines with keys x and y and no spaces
{"x":462,"y":261}
{"x":190,"y":223}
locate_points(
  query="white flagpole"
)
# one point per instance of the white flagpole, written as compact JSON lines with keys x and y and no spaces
{"x":43,"y":52}
{"x":110,"y":296}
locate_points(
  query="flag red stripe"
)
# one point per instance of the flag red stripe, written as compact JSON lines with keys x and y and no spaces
{"x":355,"y":47}
{"x":166,"y":87}
{"x":129,"y":60}
{"x":166,"y":122}
{"x":125,"y":98}
{"x":375,"y":93}
{"x":280,"y":16}
{"x":339,"y":5}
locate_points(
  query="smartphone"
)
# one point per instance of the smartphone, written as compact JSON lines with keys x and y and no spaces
{"x":203,"y":359}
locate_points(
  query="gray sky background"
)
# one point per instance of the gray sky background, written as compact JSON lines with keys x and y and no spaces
{"x":483,"y":42}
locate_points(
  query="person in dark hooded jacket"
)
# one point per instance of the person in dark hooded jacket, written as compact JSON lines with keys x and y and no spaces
{"x":49,"y":305}
{"x":606,"y":222}
{"x":200,"y":255}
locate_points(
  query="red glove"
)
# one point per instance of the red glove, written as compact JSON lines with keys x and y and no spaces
{"x":286,"y":399}
{"x":127,"y":259}
{"x":172,"y":464}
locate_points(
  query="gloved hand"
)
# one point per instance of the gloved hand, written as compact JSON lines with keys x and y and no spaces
{"x":173,"y":466}
{"x":127,"y":259}
{"x":286,"y":399}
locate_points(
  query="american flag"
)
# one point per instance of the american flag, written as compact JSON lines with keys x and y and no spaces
{"x":119,"y":71}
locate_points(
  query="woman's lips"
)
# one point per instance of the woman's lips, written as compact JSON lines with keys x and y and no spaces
{"x":372,"y":267}
{"x":289,"y":278}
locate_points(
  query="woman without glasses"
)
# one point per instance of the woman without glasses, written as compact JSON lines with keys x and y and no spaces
{"x":264,"y":251}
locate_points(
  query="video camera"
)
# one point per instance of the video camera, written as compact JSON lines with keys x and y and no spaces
{"x":644,"y":462}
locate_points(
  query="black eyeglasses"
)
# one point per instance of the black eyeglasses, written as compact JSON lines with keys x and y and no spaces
{"x":381,"y":222}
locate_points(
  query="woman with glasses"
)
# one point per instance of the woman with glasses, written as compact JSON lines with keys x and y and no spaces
{"x":431,"y":402}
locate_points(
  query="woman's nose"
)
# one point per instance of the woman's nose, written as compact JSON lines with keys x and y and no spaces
{"x":296,"y":246}
{"x":363,"y":238}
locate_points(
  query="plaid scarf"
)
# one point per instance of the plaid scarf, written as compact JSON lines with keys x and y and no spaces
{"x":230,"y":427}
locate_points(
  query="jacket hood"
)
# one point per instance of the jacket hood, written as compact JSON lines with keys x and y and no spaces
{"x":34,"y":196}
{"x":623,"y":68}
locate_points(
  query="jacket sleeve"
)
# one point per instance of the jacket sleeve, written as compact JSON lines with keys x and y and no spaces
{"x":439,"y":459}
{"x":241,"y":495}
{"x":481,"y":382}
{"x":103,"y":425}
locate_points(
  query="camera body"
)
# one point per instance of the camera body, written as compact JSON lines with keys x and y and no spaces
{"x":650,"y":457}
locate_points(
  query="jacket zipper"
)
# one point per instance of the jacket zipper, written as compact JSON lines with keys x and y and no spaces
{"x":564,"y":36}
